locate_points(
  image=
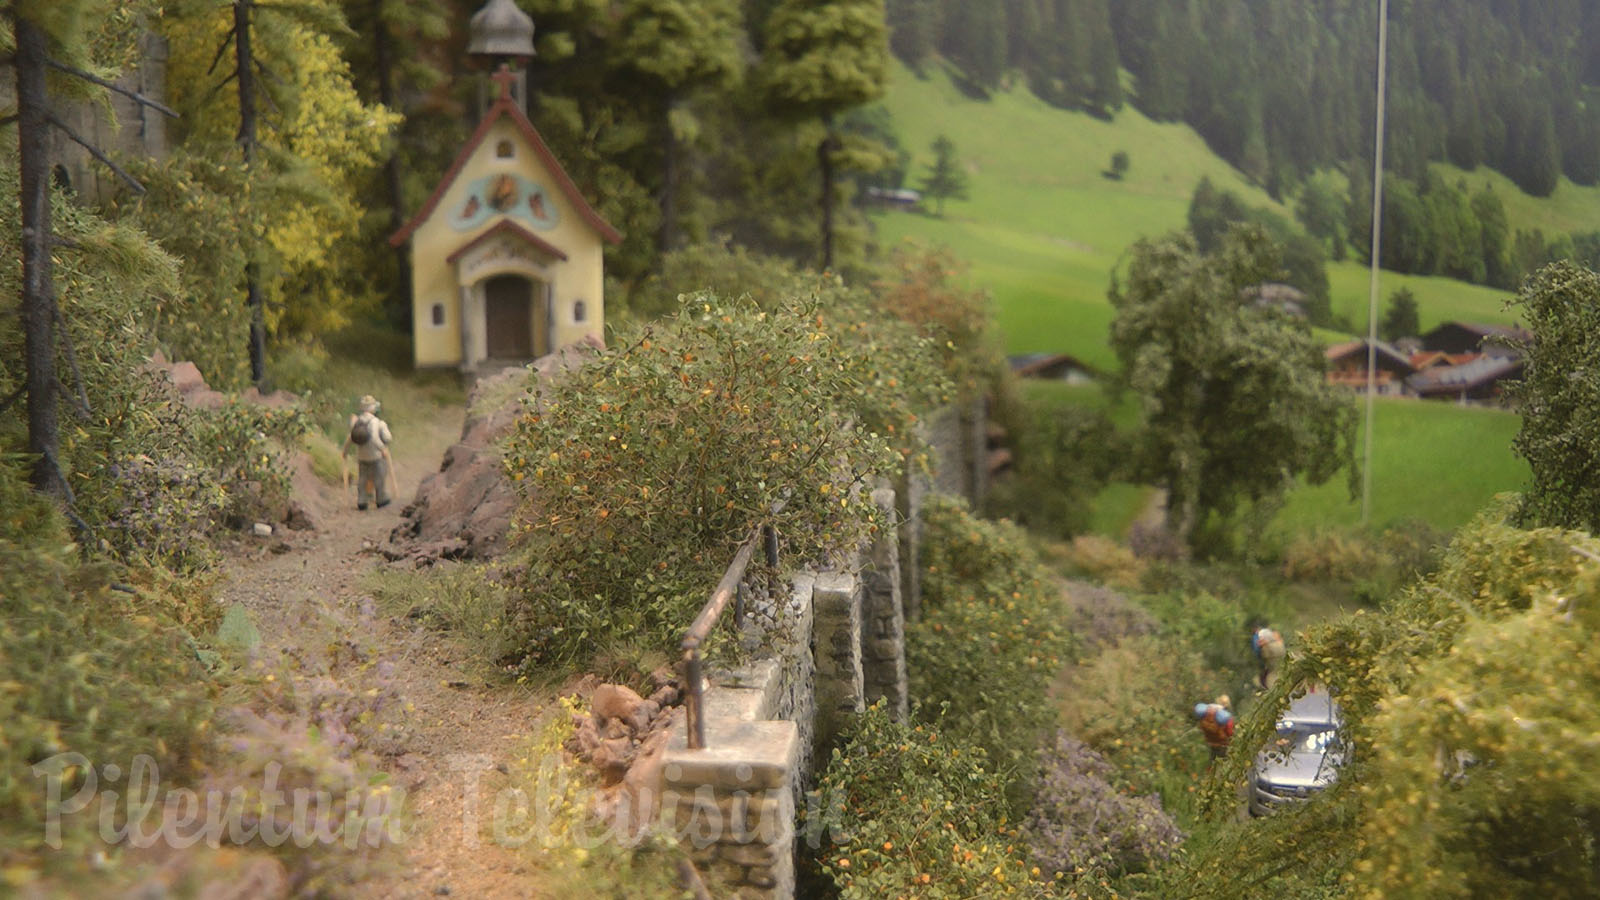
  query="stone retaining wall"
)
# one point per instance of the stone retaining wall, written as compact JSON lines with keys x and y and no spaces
{"x":883,"y":621}
{"x":838,"y":642}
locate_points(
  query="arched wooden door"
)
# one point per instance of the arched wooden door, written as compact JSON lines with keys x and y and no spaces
{"x":514,"y":326}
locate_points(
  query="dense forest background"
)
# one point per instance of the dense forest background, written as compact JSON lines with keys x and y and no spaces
{"x":1281,"y":88}
{"x":753,"y":122}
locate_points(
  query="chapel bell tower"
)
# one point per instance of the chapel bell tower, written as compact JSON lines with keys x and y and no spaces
{"x":501,"y":40}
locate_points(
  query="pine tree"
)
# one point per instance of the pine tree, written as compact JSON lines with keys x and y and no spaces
{"x":1400,"y":319}
{"x":678,"y":47}
{"x":975,"y":39}
{"x":48,"y":36}
{"x":821,"y":58}
{"x":945,"y":178}
{"x":913,"y":27}
{"x":389,"y":44}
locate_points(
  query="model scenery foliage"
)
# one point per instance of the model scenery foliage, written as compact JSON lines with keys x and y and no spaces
{"x":643,"y":471}
{"x":1235,"y":406}
{"x":1051,"y":755}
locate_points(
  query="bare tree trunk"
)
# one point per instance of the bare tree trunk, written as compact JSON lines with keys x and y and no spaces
{"x":245,"y":73}
{"x":383,"y":53}
{"x":825,"y":151}
{"x":38,"y":288}
{"x":667,"y":237}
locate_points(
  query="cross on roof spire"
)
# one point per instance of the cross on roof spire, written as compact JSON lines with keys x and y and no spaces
{"x":506,"y":78}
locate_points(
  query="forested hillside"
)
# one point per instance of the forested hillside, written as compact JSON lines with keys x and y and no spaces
{"x":1283,"y":87}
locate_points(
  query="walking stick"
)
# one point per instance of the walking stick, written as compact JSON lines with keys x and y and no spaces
{"x":394,"y":487}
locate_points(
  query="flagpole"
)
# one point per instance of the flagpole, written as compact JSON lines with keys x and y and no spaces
{"x":1372,"y":293}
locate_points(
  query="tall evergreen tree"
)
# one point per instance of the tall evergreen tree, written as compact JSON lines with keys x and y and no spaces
{"x":1400,"y":319}
{"x":389,"y":44}
{"x":975,"y":39}
{"x":945,"y":179}
{"x":820,"y":58}
{"x":47,"y":36}
{"x":913,"y":29}
{"x":676,"y":47}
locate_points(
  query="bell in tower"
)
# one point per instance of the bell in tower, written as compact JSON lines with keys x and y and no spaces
{"x":501,"y":37}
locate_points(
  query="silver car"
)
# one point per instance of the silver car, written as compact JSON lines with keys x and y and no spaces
{"x":1306,"y":756}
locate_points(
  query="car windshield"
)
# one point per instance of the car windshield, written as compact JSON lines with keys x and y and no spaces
{"x":1317,"y":741}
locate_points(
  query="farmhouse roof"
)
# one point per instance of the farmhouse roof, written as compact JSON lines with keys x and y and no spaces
{"x":1427,"y":359}
{"x":1465,"y":377}
{"x":1456,"y":337}
{"x":1047,"y":365}
{"x":1278,"y":295}
{"x":1388,"y":357}
{"x":505,"y":106}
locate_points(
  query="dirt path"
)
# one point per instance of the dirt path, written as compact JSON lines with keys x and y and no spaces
{"x":304,"y":592}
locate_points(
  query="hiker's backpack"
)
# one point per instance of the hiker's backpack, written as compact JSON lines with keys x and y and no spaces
{"x":360,"y":431}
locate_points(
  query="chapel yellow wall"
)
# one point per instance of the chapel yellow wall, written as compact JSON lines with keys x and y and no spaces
{"x":581,"y":276}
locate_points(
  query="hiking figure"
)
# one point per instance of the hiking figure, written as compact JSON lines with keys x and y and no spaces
{"x":370,"y":437}
{"x":1270,"y":651}
{"x":1216,"y":725}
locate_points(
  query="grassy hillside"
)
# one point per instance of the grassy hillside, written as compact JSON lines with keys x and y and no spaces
{"x":1043,"y":227}
{"x":1043,"y":230}
{"x":1571,"y":208}
{"x":1438,"y":299}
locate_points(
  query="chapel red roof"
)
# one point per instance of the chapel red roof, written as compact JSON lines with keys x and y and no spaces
{"x":504,"y":105}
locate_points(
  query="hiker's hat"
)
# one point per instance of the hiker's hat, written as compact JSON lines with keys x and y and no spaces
{"x":369,"y":403}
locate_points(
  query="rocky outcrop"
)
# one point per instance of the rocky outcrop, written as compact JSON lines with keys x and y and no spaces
{"x":625,"y":737}
{"x":464,"y":510}
{"x":186,"y":380}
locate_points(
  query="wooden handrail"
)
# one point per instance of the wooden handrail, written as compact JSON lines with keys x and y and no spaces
{"x":727,"y":589}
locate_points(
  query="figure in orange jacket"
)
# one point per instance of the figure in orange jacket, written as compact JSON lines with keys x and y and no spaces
{"x":1216,"y":724}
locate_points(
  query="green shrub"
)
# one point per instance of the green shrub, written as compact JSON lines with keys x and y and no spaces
{"x":248,"y":445}
{"x":85,"y":667}
{"x":909,"y":811}
{"x":1062,"y":457}
{"x":988,"y":642}
{"x":1101,"y":559}
{"x":1333,"y":556}
{"x":642,"y":471}
{"x":169,"y":477}
{"x":717,"y":268}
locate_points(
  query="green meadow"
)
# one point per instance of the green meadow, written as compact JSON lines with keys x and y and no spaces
{"x":1569,"y":208}
{"x":1431,"y":461}
{"x":1044,"y":229}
